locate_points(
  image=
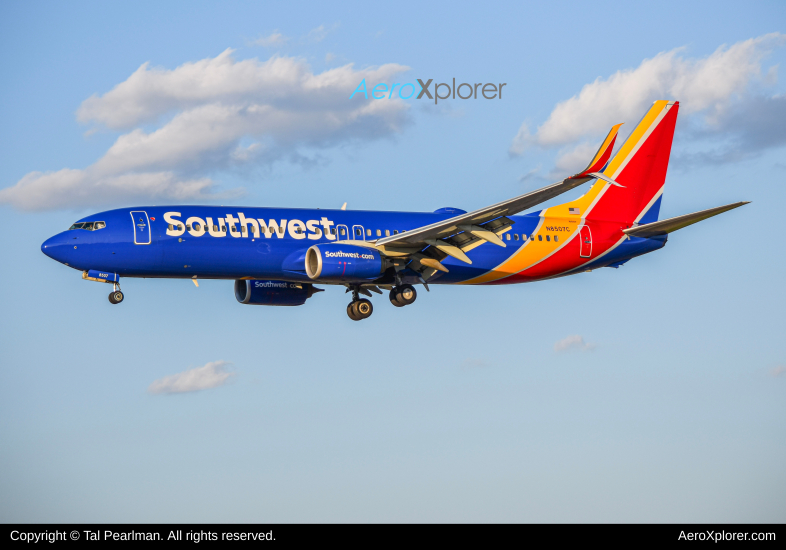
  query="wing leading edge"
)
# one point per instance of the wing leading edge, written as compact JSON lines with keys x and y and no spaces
{"x":480,"y":223}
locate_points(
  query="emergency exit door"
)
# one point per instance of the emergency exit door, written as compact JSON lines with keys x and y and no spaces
{"x":585,"y":238}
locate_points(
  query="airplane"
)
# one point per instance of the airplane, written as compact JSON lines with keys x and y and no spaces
{"x":276,"y":256}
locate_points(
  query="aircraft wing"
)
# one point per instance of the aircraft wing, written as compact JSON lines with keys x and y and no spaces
{"x":487,"y":223}
{"x":673,"y":224}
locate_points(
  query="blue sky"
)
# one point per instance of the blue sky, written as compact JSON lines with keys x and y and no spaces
{"x":459,"y":408}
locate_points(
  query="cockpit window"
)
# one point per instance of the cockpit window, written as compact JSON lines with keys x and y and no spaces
{"x":88,"y":226}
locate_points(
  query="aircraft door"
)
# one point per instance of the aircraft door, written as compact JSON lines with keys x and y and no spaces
{"x":141,"y":222}
{"x":585,"y":238}
{"x":343,"y":232}
{"x":358,"y":233}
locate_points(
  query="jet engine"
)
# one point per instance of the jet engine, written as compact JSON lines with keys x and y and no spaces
{"x":273,"y":293}
{"x":344,"y":263}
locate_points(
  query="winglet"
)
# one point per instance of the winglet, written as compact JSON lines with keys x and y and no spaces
{"x":603,"y":155}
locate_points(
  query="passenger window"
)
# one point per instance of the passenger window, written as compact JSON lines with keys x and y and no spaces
{"x":368,"y":232}
{"x":171,"y":227}
{"x":548,"y":237}
{"x":507,"y":236}
{"x":379,"y":233}
{"x":556,"y":238}
{"x":387,"y":232}
{"x":188,"y":227}
{"x":540,"y":237}
{"x":342,"y":232}
{"x":395,"y":232}
{"x":516,"y":237}
{"x":358,"y":232}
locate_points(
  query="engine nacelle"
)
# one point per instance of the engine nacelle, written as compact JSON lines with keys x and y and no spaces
{"x":273,"y":293}
{"x":343,"y":263}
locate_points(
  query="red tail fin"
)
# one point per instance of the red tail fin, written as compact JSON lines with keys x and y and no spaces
{"x":639,"y":167}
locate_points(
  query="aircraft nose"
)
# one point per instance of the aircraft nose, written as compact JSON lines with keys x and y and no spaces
{"x":56,"y":248}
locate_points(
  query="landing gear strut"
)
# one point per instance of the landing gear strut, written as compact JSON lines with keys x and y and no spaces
{"x":403,"y":295}
{"x":359,"y":309}
{"x":116,"y":296}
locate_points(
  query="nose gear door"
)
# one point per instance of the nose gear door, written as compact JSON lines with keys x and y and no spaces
{"x":141,"y":227}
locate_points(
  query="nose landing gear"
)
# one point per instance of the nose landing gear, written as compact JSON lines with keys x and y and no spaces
{"x":403,"y":295}
{"x":116,"y":296}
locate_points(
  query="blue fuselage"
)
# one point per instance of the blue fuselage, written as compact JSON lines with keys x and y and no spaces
{"x":230,"y":242}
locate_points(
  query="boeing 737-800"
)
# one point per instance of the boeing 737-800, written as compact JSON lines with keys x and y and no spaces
{"x":276,"y":256}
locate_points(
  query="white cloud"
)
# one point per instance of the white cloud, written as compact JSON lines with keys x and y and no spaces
{"x":573,"y":160}
{"x":208,"y":116}
{"x":321,"y":32}
{"x":707,"y":87}
{"x":530,"y":175}
{"x":780,"y":370}
{"x":273,"y":40}
{"x":522,"y":141}
{"x":571,"y":343}
{"x":76,"y":188}
{"x":212,"y":375}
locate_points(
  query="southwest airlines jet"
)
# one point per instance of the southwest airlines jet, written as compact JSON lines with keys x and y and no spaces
{"x":276,"y":255}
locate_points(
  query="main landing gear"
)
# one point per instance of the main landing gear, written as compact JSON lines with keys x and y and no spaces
{"x":359,"y":309}
{"x":402,"y":295}
{"x":116,"y":296}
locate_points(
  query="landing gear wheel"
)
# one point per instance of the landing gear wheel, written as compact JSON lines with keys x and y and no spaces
{"x":363,"y":308}
{"x":394,"y":297}
{"x":360,"y":309}
{"x":116,"y":296}
{"x":403,"y":295}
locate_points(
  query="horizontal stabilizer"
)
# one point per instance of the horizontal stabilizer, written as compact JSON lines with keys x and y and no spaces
{"x":673,"y":224}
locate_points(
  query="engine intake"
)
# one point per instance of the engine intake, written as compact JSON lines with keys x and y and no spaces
{"x":343,"y":263}
{"x":273,"y":293}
